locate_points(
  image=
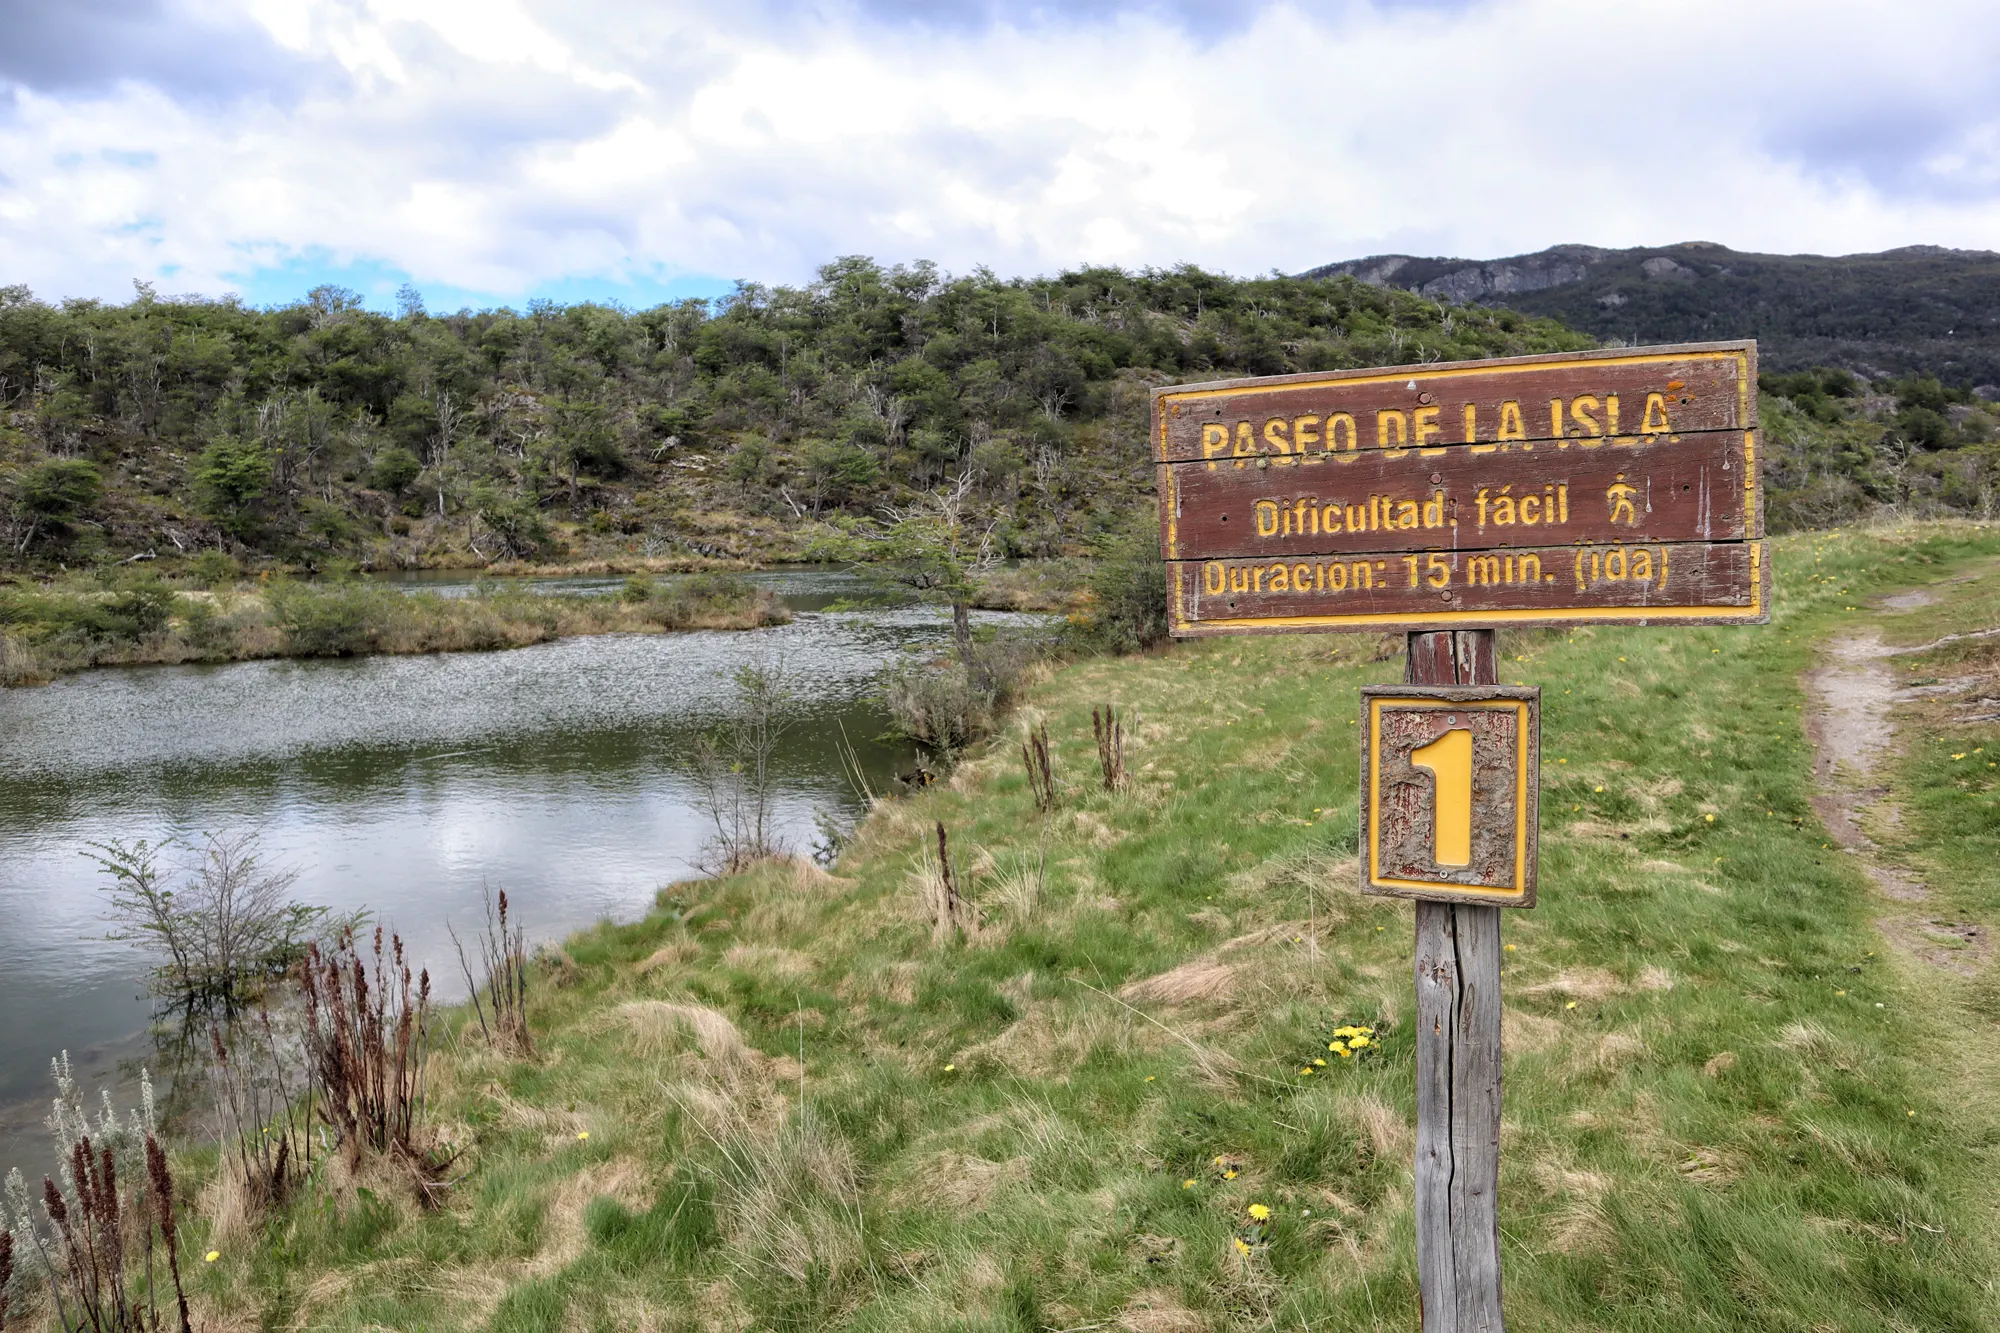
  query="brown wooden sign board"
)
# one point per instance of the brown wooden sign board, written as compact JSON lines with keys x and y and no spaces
{"x":1616,"y":485}
{"x":1450,"y":783}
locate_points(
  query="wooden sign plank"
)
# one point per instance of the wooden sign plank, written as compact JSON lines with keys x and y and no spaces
{"x":1450,"y":782}
{"x":1635,"y":497}
{"x":1683,"y":583}
{"x":1703,"y":486}
{"x":1623,"y":394}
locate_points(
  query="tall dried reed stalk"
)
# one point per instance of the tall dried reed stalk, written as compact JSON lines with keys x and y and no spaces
{"x":1110,"y":734}
{"x":6,"y":1273}
{"x":91,"y":1221}
{"x":1041,"y":769}
{"x":503,"y":953}
{"x":367,"y":1034}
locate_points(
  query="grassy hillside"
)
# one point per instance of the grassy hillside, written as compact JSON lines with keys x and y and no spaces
{"x":794,"y":1100}
{"x":1920,"y":310}
{"x":321,"y":433}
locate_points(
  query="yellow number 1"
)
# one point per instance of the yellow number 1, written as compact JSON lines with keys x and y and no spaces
{"x":1449,"y":761}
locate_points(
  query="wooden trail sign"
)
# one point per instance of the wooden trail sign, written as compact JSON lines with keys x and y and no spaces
{"x":1447,"y":500}
{"x":1589,"y":486}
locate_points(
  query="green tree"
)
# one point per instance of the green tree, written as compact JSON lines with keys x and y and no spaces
{"x":395,"y":470}
{"x":50,"y":494}
{"x":230,"y":478}
{"x":937,"y":547}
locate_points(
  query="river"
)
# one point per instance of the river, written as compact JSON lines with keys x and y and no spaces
{"x":403,"y":785}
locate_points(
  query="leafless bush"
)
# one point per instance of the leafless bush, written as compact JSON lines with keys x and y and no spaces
{"x":1041,"y":770}
{"x":735,"y":771}
{"x":367,"y":1034}
{"x":503,"y":954}
{"x":1110,"y":746}
{"x":218,"y":914}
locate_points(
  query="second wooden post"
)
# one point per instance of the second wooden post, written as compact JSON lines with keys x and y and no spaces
{"x":1458,"y":1063}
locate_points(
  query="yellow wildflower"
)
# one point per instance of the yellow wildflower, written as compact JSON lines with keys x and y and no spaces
{"x":1188,"y":1184}
{"x":1305,"y":1069}
{"x":1508,"y":947}
{"x":211,"y":1256}
{"x":1242,"y":1246}
{"x":949,"y":1068}
{"x":1229,"y":1174}
{"x":1346,"y":1054}
{"x":582,"y":1134}
{"x":1259,"y":1211}
{"x":1320,"y":1061}
{"x":1570,"y":1005}
{"x":1359,"y":1041}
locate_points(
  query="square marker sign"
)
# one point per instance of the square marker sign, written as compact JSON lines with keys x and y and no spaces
{"x":1450,"y":777}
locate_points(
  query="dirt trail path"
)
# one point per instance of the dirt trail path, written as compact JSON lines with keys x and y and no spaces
{"x":1851,"y":725}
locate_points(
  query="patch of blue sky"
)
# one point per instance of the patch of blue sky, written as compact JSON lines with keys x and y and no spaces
{"x":378,"y":283}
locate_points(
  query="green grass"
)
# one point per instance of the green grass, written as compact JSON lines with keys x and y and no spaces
{"x":1729,"y":1106}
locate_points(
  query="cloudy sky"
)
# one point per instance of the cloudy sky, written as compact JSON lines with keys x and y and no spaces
{"x":494,"y":150}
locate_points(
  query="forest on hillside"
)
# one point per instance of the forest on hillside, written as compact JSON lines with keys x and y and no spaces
{"x":323,"y":435}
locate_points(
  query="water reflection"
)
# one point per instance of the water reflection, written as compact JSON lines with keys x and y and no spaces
{"x":398,"y":784}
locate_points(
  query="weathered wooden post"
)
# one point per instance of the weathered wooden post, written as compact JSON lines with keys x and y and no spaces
{"x":1458,"y":1063}
{"x":1443,"y":501}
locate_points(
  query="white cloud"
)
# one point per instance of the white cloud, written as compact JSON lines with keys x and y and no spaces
{"x":505,"y":144}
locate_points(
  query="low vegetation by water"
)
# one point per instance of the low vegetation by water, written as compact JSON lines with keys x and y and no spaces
{"x":128,"y":619}
{"x":1068,"y":1052}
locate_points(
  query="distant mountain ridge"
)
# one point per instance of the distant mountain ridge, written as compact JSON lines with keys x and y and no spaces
{"x":1920,"y":309}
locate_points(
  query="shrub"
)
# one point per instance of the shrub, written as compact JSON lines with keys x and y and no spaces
{"x":334,"y":621}
{"x":60,"y":489}
{"x":1128,"y":594}
{"x":214,"y":569}
{"x":395,"y":470}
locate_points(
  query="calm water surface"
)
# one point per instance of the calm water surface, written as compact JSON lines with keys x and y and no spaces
{"x":398,"y":784}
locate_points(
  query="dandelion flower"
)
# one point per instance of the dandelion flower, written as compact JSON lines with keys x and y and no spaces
{"x":1508,"y":947}
{"x":1709,"y":818}
{"x":1358,"y":1041}
{"x":1320,"y":1061}
{"x":1242,"y":1246}
{"x":1259,"y":1211}
{"x":1570,"y":1005}
{"x":213,"y":1255}
{"x":949,"y":1068}
{"x":1347,"y":1055}
{"x":1188,"y":1184}
{"x":1305,"y":1069}
{"x":1958,"y":756}
{"x":1229,"y":1174}
{"x":1600,"y":789}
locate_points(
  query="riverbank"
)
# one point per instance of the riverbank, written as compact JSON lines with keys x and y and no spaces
{"x":49,"y":631}
{"x":1104,"y":1090}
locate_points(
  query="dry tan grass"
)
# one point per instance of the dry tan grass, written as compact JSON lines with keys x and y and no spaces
{"x":769,"y":960}
{"x":1528,"y":1032}
{"x":1580,"y":983}
{"x":672,"y":954}
{"x":1718,"y":1063}
{"x":1200,"y":981}
{"x":1157,"y":1310}
{"x":1654,"y":978}
{"x":958,"y":1181}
